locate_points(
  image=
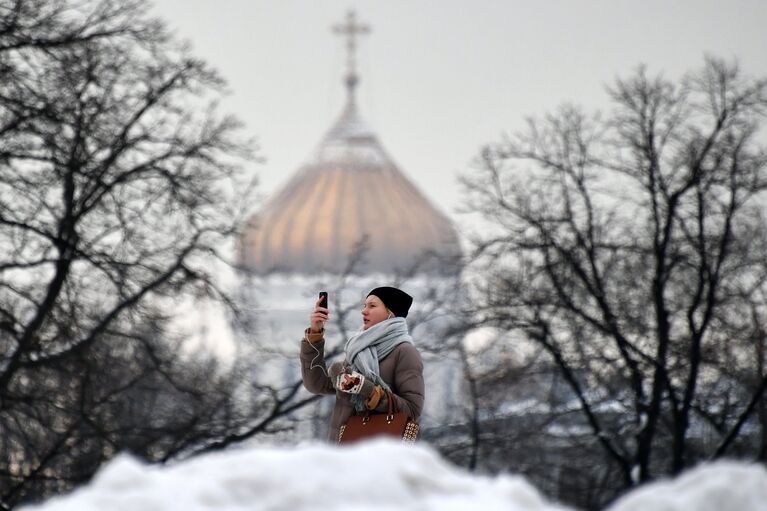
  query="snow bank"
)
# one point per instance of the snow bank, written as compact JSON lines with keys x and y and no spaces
{"x":378,"y":476}
{"x":720,"y":486}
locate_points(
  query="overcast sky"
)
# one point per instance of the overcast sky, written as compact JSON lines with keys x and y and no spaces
{"x":440,"y":78}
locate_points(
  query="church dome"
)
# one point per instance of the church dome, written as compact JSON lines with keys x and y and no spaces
{"x":349,"y":192}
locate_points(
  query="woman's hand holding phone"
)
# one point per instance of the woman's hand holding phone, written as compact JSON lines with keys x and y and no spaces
{"x":320,"y":313}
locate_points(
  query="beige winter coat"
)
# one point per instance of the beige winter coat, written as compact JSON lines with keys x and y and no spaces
{"x":402,"y":370}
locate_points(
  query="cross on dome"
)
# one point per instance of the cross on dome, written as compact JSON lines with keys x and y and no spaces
{"x":351,"y":29}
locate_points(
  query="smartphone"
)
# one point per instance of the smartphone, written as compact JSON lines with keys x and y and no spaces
{"x":324,"y":299}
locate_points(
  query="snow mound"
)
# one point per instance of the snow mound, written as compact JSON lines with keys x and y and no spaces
{"x":382,"y":475}
{"x":720,"y":486}
{"x":376,"y":476}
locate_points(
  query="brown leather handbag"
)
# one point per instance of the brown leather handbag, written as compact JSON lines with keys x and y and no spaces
{"x":393,"y":423}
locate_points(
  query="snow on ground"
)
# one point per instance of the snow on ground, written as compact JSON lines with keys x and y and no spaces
{"x":721,"y":486}
{"x":377,"y":476}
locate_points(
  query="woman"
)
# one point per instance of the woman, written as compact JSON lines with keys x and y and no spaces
{"x":378,"y":358}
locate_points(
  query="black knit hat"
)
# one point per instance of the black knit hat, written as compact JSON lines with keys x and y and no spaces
{"x":396,"y":300}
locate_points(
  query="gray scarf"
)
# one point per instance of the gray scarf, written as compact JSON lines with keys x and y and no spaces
{"x":365,"y":349}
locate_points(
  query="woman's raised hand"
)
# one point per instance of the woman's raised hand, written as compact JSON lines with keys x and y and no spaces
{"x":318,"y":317}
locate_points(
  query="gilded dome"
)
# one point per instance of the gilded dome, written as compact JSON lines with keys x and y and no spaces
{"x":349,"y":191}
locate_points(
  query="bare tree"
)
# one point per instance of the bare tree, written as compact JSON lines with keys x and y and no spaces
{"x":631,"y":248}
{"x":120,"y":186}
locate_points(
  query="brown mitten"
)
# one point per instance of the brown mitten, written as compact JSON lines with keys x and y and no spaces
{"x":376,"y":395}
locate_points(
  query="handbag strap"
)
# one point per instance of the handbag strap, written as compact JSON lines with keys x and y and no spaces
{"x":392,"y":407}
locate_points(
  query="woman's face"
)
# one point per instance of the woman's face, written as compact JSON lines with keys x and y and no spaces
{"x":374,"y":311}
